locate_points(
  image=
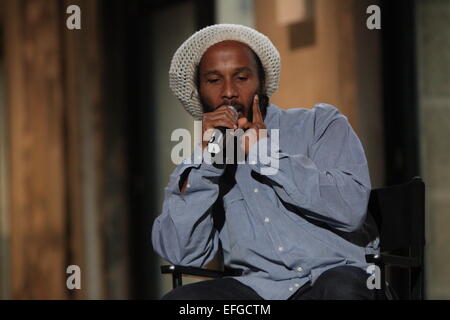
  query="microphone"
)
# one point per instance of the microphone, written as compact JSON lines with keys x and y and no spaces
{"x":218,"y":136}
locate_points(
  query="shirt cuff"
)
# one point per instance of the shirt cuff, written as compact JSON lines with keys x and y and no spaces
{"x":200,"y":169}
{"x":264,"y":156}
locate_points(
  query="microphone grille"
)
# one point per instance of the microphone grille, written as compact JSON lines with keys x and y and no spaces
{"x":235,"y":111}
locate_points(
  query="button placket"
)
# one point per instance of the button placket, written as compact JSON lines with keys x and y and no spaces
{"x":254,"y":200}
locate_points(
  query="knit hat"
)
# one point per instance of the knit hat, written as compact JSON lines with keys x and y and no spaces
{"x":183,"y":69}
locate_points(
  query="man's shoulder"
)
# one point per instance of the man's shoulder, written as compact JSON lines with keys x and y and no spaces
{"x":320,"y":114}
{"x":318,"y":108}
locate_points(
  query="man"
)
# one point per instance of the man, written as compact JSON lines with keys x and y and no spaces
{"x":302,"y":231}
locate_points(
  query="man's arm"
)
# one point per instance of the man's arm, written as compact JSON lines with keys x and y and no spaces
{"x":332,"y":185}
{"x":184,"y":233}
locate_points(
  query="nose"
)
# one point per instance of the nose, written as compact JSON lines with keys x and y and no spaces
{"x":229,"y":90}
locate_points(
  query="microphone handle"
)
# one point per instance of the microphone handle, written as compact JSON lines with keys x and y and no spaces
{"x":223,"y":131}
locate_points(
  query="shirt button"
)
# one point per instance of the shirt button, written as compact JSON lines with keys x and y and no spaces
{"x":299,"y":269}
{"x":296,"y":285}
{"x":280,"y":249}
{"x":266,"y":220}
{"x":291,"y":289}
{"x":256,"y":190}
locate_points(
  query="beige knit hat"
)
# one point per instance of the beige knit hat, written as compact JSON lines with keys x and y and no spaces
{"x":183,"y":69}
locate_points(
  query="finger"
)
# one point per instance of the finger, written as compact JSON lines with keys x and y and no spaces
{"x":232,"y":110}
{"x":257,"y":116}
{"x":243,"y":123}
{"x":214,"y":122}
{"x":226,"y":110}
{"x":223,"y":123}
{"x":222,"y":108}
{"x":233,"y":114}
{"x":224,"y":116}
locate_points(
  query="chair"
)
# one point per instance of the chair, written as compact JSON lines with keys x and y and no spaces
{"x":399,"y":212}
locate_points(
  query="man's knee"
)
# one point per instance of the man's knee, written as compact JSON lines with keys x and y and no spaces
{"x":175,"y":294}
{"x":187,"y":292}
{"x":346,"y":282}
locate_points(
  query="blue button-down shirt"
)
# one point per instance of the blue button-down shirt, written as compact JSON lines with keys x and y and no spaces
{"x":285,"y":228}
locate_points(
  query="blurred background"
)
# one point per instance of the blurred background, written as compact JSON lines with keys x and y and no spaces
{"x":86,"y":117}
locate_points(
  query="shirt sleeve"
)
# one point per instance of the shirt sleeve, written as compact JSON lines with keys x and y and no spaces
{"x":332,"y":184}
{"x":184,"y":233}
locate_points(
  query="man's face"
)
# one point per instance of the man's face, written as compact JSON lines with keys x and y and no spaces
{"x":228,"y":75}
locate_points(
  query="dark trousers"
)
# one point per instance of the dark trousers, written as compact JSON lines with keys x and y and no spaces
{"x":340,"y":283}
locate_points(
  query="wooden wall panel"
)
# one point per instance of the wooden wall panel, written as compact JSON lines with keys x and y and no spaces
{"x":84,"y":148}
{"x":37,"y":163}
{"x":74,"y":167}
{"x":68,"y":153}
{"x":338,"y":62}
{"x":4,"y":187}
{"x":322,"y":69}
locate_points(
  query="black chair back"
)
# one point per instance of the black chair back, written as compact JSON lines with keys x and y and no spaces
{"x":399,"y":212}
